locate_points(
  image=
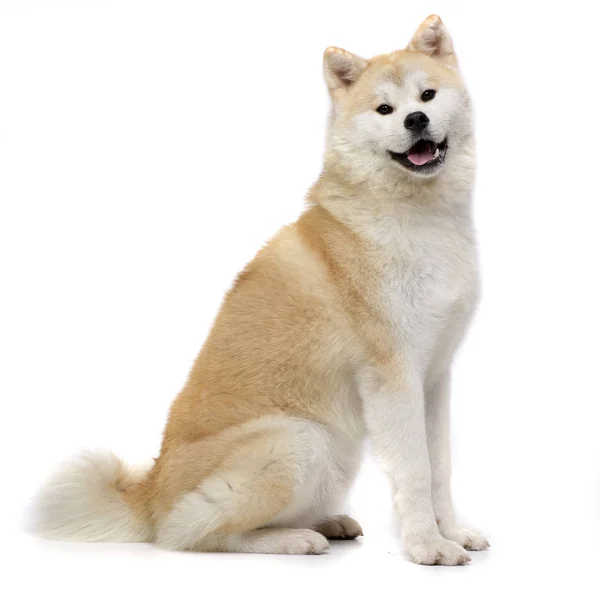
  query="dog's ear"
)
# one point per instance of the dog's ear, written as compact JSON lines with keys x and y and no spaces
{"x":341,"y":69}
{"x":432,"y":38}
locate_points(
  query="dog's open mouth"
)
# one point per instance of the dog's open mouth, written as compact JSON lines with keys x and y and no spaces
{"x":424,"y":156}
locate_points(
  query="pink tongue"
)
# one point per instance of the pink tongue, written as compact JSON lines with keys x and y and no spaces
{"x":420,"y":158}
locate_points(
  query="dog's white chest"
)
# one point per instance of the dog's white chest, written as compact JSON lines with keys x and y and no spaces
{"x":429,"y":285}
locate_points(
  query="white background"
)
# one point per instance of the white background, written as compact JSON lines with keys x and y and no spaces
{"x":147,"y":149}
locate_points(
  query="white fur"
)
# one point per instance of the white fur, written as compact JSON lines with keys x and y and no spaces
{"x":82,"y":502}
{"x":428,"y":293}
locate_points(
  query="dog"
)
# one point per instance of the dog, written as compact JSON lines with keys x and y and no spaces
{"x":343,"y":326}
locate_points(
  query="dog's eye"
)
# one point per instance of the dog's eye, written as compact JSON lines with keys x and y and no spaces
{"x":384,"y":109}
{"x":428,"y":95}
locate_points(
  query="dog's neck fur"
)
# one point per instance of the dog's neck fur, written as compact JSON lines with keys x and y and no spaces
{"x":371,"y":198}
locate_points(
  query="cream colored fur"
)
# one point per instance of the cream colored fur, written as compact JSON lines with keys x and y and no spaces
{"x":83,"y":502}
{"x":344,"y":325}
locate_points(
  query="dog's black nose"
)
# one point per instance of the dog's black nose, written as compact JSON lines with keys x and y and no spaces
{"x":416,"y":121}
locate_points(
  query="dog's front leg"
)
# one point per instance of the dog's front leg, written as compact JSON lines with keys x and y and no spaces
{"x":437,"y":409}
{"x":394,"y":411}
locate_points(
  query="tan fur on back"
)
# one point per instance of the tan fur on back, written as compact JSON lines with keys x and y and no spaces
{"x":279,"y":345}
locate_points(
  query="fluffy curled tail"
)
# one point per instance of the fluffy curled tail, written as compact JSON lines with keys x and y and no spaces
{"x":84,"y":502}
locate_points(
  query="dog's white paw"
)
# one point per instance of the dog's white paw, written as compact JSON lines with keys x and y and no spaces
{"x":468,"y":539}
{"x":303,"y":541}
{"x":438,"y":551}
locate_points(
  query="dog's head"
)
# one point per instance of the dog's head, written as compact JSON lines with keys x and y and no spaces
{"x":408,"y":110}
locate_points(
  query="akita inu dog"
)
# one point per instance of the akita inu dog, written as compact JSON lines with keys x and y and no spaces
{"x":344,"y":325}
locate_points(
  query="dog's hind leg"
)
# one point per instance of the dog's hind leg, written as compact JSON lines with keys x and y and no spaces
{"x":277,"y":540}
{"x":273,"y":472}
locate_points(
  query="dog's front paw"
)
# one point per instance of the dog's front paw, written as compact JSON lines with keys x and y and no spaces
{"x":468,"y":539}
{"x":438,"y":551}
